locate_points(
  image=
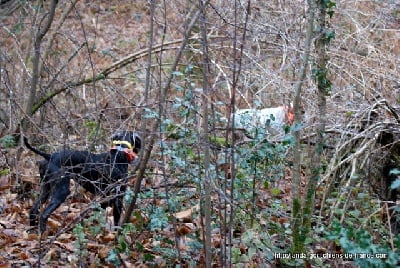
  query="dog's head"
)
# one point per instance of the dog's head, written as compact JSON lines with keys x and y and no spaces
{"x":127,"y":141}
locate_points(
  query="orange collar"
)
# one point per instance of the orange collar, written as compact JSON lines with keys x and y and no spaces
{"x":129,"y":153}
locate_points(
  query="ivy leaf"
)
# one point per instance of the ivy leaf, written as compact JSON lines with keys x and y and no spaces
{"x":275,"y":191}
{"x":297,"y":126}
{"x":355,"y":213}
{"x":395,"y":184}
{"x":150,"y":113}
{"x":177,"y":73}
{"x":113,"y":258}
{"x":394,"y":171}
{"x":148,"y":257}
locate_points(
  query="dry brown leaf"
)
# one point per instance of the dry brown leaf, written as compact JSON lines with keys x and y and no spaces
{"x":53,"y":224}
{"x":103,"y":252}
{"x":51,"y":254}
{"x":16,"y":207}
{"x":32,"y":237}
{"x":184,"y":229}
{"x":134,"y":265}
{"x":186,"y":215}
{"x":66,"y":246}
{"x":23,"y":256}
{"x":5,"y":239}
{"x":65,"y":237}
{"x":14,"y":217}
{"x":70,"y":217}
{"x":108,"y":238}
{"x":4,"y":183}
{"x":93,"y":246}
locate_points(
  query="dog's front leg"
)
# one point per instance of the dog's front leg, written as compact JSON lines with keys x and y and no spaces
{"x":34,"y":212}
{"x":61,"y":192}
{"x":45,"y":169}
{"x":117,"y":209}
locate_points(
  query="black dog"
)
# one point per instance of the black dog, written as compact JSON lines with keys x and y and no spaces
{"x":103,"y":174}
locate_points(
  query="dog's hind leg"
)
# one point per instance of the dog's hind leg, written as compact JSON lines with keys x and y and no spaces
{"x":60,"y":193}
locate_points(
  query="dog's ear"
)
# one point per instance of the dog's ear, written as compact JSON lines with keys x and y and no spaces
{"x":136,"y":142}
{"x":116,"y":136}
{"x":122,"y":135}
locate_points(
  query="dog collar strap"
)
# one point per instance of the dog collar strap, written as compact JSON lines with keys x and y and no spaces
{"x":114,"y":143}
{"x":130,"y":154}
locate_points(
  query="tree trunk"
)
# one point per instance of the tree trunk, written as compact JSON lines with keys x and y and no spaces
{"x":204,"y":139}
{"x":323,"y":85}
{"x":41,"y":32}
{"x":296,"y":222}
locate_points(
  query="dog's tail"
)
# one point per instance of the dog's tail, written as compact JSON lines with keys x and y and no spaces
{"x":36,"y":151}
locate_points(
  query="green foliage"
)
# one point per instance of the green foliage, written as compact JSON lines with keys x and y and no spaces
{"x":356,"y":208}
{"x":329,"y":6}
{"x":359,"y":241}
{"x":113,"y":258}
{"x":123,"y":244}
{"x":262,"y":159}
{"x":89,"y":229}
{"x":93,"y":127}
{"x":164,"y":247}
{"x":5,"y":171}
{"x":8,"y":141}
{"x":129,"y":194}
{"x":257,"y":242}
{"x":259,"y":163}
{"x":298,"y":239}
{"x":394,"y":171}
{"x":329,"y":35}
{"x":219,"y":141}
{"x":159,"y":219}
{"x":150,"y":114}
{"x":320,"y":75}
{"x":96,"y":222}
{"x":80,"y":242}
{"x":395,"y":184}
{"x":175,"y":131}
{"x":18,"y":28}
